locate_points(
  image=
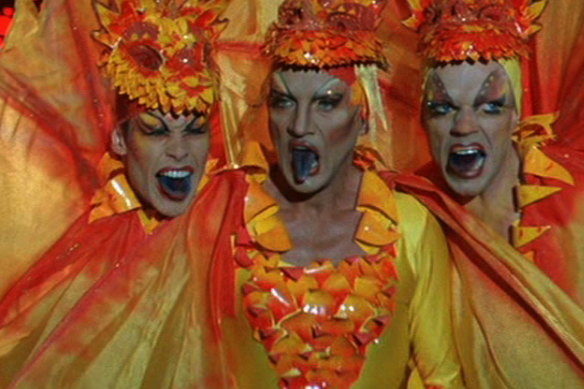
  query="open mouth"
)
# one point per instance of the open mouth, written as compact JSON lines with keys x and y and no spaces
{"x":175,"y":184}
{"x":305,"y":162}
{"x":466,"y":161}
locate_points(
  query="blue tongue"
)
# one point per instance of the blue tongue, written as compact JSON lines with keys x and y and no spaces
{"x":303,"y":161}
{"x":179,"y":187}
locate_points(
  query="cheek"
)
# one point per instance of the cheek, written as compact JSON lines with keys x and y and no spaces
{"x":437,"y":133}
{"x":277,"y":127}
{"x":500,"y":130}
{"x":199,"y":149}
{"x":340,"y":130}
{"x":143,"y":151}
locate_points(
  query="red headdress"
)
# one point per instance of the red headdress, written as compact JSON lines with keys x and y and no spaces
{"x":457,"y":30}
{"x":327,"y":33}
{"x":160,"y":51}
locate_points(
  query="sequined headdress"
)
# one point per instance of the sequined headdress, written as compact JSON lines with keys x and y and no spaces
{"x":159,"y":51}
{"x":327,"y":33}
{"x":459,"y":30}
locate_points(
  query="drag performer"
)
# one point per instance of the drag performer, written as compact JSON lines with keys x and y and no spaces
{"x":472,"y":109}
{"x":284,"y":318}
{"x":112,"y":287}
{"x":336,"y":274}
{"x":504,"y":167}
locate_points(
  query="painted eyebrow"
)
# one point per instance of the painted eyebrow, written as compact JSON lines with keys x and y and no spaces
{"x":283,"y":83}
{"x":159,"y":120}
{"x":324,"y":89}
{"x":281,"y":93}
{"x":480,"y":99}
{"x":442,"y":89}
{"x":193,"y":120}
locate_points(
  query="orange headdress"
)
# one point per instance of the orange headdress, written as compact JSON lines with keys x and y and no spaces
{"x":327,"y":33}
{"x":458,"y":30}
{"x":159,"y":51}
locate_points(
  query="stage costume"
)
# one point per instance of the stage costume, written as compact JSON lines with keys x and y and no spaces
{"x":464,"y":31}
{"x":550,"y":176}
{"x":144,"y":322}
{"x":330,"y":325}
{"x":513,"y":328}
{"x":103,"y":307}
{"x":551,"y":215}
{"x":336,"y":325}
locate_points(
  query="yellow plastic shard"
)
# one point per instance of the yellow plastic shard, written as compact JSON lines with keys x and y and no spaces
{"x":417,"y":7}
{"x":376,"y":230}
{"x":106,"y":16}
{"x":529,"y":194}
{"x":535,"y":10}
{"x":375,"y":195}
{"x":149,"y":222}
{"x":271,"y":233}
{"x":262,"y":220}
{"x":530,"y":256}
{"x":525,"y":235}
{"x":534,"y":131}
{"x":539,"y":164}
{"x":253,"y":157}
{"x":117,"y":195}
{"x":258,"y":203}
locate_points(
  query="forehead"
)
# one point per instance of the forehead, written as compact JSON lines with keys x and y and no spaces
{"x":306,"y":82}
{"x":467,"y":81}
{"x":169,"y":119}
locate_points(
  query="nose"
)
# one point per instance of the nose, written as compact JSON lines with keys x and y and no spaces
{"x":465,"y":123}
{"x":176,"y":148}
{"x":300,"y":124}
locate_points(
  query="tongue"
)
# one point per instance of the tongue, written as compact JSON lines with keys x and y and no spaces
{"x":303,"y":162}
{"x":175,"y":188}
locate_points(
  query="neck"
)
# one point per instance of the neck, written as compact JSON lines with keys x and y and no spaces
{"x":496,"y":204}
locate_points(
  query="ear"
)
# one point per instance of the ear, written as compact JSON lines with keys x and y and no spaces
{"x":119,"y":146}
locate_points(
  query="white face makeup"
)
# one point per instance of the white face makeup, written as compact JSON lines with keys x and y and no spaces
{"x":314,"y":125}
{"x":165,"y":158}
{"x":470,"y":114}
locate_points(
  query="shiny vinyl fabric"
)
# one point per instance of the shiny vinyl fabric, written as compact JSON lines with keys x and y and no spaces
{"x":558,"y":251}
{"x":418,"y":331}
{"x":124,"y":303}
{"x":514,"y":327}
{"x":146,"y":322}
{"x":552,"y":83}
{"x":111,"y":305}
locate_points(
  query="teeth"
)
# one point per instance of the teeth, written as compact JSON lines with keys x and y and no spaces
{"x":176,"y":174}
{"x":466,"y":152}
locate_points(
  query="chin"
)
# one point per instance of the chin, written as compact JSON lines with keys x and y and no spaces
{"x":173,"y":210}
{"x":467,"y":188}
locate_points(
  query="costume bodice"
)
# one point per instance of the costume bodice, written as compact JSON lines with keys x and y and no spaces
{"x":357,"y":324}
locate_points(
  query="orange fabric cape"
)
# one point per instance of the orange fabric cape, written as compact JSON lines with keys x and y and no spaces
{"x":506,"y":311}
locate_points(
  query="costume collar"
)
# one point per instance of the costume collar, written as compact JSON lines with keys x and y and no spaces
{"x":377,"y":228}
{"x":532,"y":133}
{"x":117,"y":196}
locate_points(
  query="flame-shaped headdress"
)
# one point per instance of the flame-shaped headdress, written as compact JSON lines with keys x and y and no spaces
{"x":459,"y":30}
{"x":160,"y":51}
{"x":327,"y":33}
